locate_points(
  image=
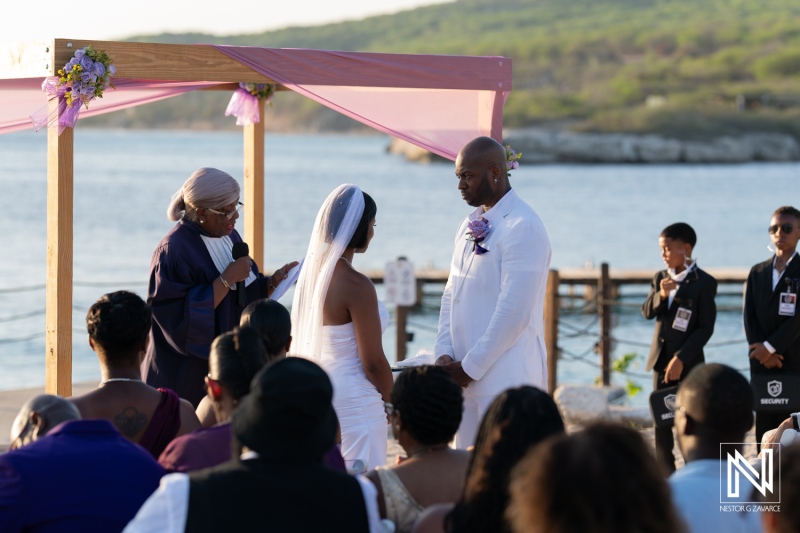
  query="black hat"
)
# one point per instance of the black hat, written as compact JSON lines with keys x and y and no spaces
{"x":288,"y":414}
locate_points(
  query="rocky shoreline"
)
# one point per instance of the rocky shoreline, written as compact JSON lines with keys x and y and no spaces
{"x":547,"y":146}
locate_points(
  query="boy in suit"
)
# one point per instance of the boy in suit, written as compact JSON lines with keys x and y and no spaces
{"x":771,"y":320}
{"x":681,"y":299}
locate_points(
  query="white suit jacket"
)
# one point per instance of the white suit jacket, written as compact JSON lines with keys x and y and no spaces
{"x":492,"y":307}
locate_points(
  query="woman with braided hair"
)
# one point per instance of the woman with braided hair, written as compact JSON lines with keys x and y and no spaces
{"x":425,"y":415}
{"x":517,"y":420}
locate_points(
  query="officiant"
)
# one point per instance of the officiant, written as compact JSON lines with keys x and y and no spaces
{"x":193,"y":283}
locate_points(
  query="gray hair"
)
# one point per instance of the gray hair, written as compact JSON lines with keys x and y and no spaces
{"x":205,"y":188}
{"x":39,"y":415}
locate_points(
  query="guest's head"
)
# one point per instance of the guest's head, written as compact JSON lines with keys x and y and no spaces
{"x":516,"y":420}
{"x":288,"y":413}
{"x":119,"y":325}
{"x":273,"y":324}
{"x":603,"y":479}
{"x":39,"y":415}
{"x":784,"y":228}
{"x":427,"y":406}
{"x":210,"y":197}
{"x":788,"y":472}
{"x":715,"y":404}
{"x":234,"y":360}
{"x":677,"y":242}
{"x":482,"y":172}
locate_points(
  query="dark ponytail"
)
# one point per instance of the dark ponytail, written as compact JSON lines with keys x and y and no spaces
{"x":272,"y":322}
{"x":235,"y":359}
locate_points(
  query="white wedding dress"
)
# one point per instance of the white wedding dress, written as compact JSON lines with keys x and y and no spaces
{"x":357,"y":402}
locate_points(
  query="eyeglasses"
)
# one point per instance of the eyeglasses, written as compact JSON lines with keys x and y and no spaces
{"x":785,"y":228}
{"x":239,"y":206}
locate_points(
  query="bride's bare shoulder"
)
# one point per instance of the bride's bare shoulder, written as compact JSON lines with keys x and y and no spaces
{"x":345,"y":275}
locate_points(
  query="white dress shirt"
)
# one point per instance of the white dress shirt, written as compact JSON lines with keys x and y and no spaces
{"x":166,"y":510}
{"x":491,"y":317}
{"x":679,"y":279}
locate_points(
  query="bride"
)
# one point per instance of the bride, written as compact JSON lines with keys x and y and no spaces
{"x":338,"y":321}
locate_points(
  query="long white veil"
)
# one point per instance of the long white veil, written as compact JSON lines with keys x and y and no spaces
{"x":336,"y":223}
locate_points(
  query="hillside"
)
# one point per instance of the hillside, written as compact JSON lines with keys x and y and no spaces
{"x":685,"y":68}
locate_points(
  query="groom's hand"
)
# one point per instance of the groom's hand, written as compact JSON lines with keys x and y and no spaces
{"x":457,"y":373}
{"x":443,"y":360}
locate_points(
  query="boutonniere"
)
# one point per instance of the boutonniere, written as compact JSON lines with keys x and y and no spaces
{"x":477,"y":231}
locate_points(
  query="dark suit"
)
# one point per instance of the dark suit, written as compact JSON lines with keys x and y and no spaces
{"x":763,"y":323}
{"x":695,"y":293}
{"x":275,"y":496}
{"x":83,"y":476}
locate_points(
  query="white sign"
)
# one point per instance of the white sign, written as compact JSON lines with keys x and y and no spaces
{"x":400,"y":282}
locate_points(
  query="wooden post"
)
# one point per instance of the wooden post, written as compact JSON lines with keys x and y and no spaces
{"x":604,"y":312}
{"x":551,"y":329}
{"x":254,"y":188}
{"x":400,"y":316}
{"x":58,"y":318}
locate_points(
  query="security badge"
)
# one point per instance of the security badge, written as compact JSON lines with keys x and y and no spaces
{"x":682,"y":317}
{"x":787,"y":305}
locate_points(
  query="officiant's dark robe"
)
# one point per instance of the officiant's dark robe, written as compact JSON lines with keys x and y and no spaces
{"x":185,"y":321}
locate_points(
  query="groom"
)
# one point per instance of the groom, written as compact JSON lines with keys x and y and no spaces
{"x":491,"y":321}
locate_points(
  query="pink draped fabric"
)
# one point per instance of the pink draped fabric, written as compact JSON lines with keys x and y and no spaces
{"x":433,"y":101}
{"x":19,"y":99}
{"x":436,"y":102}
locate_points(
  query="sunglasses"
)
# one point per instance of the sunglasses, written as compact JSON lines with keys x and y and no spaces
{"x":785,"y":228}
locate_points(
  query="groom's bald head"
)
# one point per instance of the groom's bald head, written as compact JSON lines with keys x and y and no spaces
{"x":487,"y":151}
{"x":482,"y":172}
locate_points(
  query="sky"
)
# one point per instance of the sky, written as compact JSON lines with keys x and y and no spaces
{"x":26,"y":20}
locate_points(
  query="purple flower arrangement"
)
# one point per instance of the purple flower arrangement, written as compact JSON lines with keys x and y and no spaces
{"x":86,"y":76}
{"x":244,"y":102}
{"x":512,"y":158}
{"x":477,"y":231}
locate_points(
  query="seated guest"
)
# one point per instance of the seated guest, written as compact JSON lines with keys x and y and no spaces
{"x":39,"y":415}
{"x":603,"y":479}
{"x":786,"y":520}
{"x":715,"y":405}
{"x":82,"y":476}
{"x":279,"y":483}
{"x":517,"y":419}
{"x":235,"y":359}
{"x":273,"y":323}
{"x":119,"y":325}
{"x":426,"y":412}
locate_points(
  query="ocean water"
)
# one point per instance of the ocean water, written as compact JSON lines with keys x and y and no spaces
{"x":593,"y":214}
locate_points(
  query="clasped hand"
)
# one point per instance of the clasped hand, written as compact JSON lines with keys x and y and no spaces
{"x":667,"y":285}
{"x":760,"y":353}
{"x":454,"y":369}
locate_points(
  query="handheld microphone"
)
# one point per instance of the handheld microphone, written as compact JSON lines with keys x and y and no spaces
{"x":240,"y":249}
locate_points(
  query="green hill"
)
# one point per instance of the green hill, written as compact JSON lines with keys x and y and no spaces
{"x":687,"y":68}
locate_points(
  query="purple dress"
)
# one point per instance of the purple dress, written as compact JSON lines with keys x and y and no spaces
{"x":185,"y":321}
{"x":213,"y":446}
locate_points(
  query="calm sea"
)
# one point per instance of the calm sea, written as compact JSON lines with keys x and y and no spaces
{"x":593,"y":213}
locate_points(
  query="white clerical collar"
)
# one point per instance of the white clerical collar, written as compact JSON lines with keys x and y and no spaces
{"x":221,"y":251}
